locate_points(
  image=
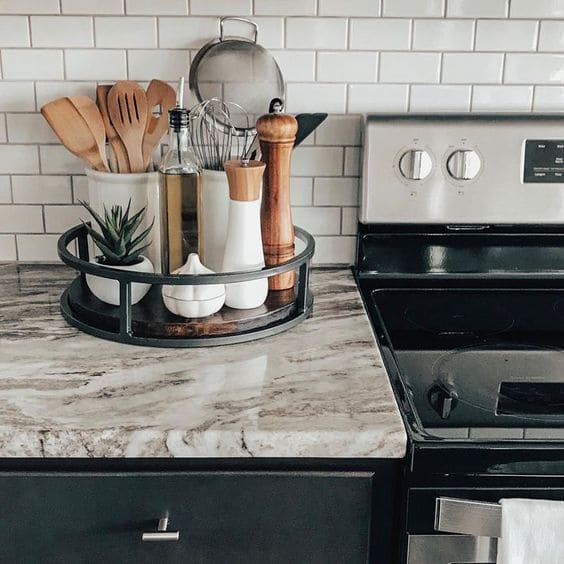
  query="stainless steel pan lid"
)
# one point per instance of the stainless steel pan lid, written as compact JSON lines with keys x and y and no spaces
{"x":237,"y":70}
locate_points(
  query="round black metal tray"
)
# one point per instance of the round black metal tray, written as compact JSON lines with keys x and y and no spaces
{"x":149,"y":323}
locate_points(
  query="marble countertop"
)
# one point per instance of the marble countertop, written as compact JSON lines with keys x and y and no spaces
{"x":318,"y":390}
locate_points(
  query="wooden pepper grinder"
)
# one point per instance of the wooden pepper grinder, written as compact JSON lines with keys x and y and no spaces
{"x":277,"y":133}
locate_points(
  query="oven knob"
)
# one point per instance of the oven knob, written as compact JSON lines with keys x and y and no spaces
{"x":464,"y":164}
{"x":443,"y":399}
{"x":415,"y":164}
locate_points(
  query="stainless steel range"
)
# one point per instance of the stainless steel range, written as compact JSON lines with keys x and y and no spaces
{"x":461,"y":266}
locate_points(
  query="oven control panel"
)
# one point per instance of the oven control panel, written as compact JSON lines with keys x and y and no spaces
{"x":463,"y":169}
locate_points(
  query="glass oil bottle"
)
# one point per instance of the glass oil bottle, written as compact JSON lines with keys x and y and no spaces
{"x":179,"y":195}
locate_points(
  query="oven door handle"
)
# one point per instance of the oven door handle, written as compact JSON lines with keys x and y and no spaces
{"x":467,"y":517}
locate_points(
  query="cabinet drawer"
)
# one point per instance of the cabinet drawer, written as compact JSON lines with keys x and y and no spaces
{"x":221,"y":517}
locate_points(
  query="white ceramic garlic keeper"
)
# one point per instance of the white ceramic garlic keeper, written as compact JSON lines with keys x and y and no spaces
{"x":243,"y":247}
{"x":110,"y":188}
{"x":215,"y":213}
{"x":196,"y":300}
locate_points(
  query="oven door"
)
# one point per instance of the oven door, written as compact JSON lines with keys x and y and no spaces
{"x":460,"y":526}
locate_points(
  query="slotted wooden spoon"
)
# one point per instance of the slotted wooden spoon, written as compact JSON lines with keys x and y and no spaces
{"x":73,"y":132}
{"x":128,"y":109}
{"x":113,"y":138}
{"x":88,"y":109}
{"x":161,"y":94}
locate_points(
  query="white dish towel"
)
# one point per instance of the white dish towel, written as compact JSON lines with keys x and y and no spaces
{"x":532,"y":532}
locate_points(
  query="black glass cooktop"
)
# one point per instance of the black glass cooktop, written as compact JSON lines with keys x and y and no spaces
{"x":478,"y":358}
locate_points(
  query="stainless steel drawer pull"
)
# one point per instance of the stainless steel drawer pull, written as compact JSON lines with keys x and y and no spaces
{"x":467,"y":517}
{"x":161,"y":533}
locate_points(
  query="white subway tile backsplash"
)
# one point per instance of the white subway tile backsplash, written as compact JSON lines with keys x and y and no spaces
{"x":29,"y":6}
{"x":21,"y":219}
{"x":548,"y":99}
{"x":270,"y":31}
{"x":41,"y":189}
{"x":364,"y":98}
{"x":318,"y":221}
{"x":14,"y":31}
{"x":95,"y":64}
{"x":16,"y":96}
{"x":55,"y":31}
{"x":8,"y":248}
{"x":536,"y":9}
{"x":60,"y":218}
{"x":534,"y":69}
{"x":19,"y":159}
{"x":286,"y":7}
{"x":301,"y":191}
{"x":349,"y":221}
{"x":477,"y":68}
{"x":317,"y":161}
{"x":296,"y":66}
{"x":334,"y":191}
{"x":334,"y":250}
{"x":55,"y":159}
{"x":443,"y":35}
{"x":551,"y":36}
{"x":352,"y":161}
{"x":345,"y":66}
{"x":162,"y":64}
{"x":79,"y":189}
{"x":502,"y":98}
{"x":186,"y":33}
{"x":413,"y":8}
{"x":313,"y":97}
{"x":37,"y":248}
{"x":316,"y":33}
{"x":126,"y":32}
{"x":477,"y":8}
{"x":390,"y":34}
{"x":29,"y":128}
{"x":162,"y":7}
{"x":439,"y":98}
{"x":368,"y":8}
{"x":92,"y":6}
{"x":32,"y":64}
{"x":225,"y":7}
{"x":47,"y":91}
{"x":339,"y":130}
{"x":3,"y":132}
{"x":5,"y":190}
{"x":410,"y":67}
{"x":506,"y":35}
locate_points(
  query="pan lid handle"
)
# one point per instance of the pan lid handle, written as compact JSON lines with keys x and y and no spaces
{"x":234,"y":18}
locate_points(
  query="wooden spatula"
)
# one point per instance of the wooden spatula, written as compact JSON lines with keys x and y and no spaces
{"x":161,"y":94}
{"x":88,"y":109}
{"x":127,"y":106}
{"x":111,"y":133}
{"x":73,"y":131}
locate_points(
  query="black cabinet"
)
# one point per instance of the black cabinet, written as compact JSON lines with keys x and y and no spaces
{"x":222,"y":517}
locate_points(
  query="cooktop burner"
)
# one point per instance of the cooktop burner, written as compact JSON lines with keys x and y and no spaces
{"x":479,"y":358}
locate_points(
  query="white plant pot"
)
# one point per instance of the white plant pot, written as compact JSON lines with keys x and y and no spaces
{"x":107,"y":290}
{"x":215,"y":214}
{"x":110,"y":188}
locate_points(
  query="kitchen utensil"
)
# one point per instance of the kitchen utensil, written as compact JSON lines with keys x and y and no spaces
{"x":159,"y":94}
{"x":307,"y":123}
{"x":73,"y":131}
{"x":243,"y":248}
{"x":128,"y":110}
{"x":88,"y":109}
{"x":197,"y":300}
{"x":113,"y":138}
{"x":237,"y":70}
{"x":277,"y":134}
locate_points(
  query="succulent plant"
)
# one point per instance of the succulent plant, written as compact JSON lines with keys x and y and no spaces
{"x":117,"y":237}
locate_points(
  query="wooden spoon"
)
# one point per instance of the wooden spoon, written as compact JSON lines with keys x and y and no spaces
{"x":73,"y":132}
{"x":113,"y":137}
{"x":127,"y":106}
{"x":161,"y":94}
{"x":88,"y":109}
